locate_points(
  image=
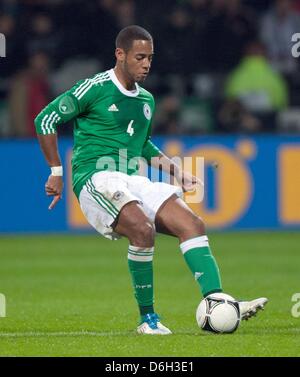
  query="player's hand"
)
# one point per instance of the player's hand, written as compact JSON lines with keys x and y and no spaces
{"x":189,"y":182}
{"x":54,"y":187}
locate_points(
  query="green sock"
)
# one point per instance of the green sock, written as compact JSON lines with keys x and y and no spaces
{"x":141,"y":270}
{"x":203,"y":265}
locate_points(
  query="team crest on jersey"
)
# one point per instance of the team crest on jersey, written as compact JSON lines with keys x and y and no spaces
{"x":66,"y":105}
{"x":147,"y":111}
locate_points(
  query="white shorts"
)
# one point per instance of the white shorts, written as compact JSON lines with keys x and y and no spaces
{"x":105,"y":193}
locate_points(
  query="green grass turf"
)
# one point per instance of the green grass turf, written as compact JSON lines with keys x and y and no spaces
{"x":72,"y":296}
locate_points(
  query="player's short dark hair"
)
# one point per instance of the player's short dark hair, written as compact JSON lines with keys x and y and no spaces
{"x":132,"y":33}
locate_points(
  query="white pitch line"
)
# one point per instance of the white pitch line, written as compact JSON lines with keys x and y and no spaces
{"x":77,"y":333}
{"x":60,"y":333}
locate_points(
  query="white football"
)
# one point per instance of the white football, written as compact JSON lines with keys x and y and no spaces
{"x":218,"y":313}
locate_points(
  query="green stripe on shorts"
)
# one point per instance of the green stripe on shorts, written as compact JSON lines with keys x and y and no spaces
{"x":100,"y":202}
{"x":104,"y":199}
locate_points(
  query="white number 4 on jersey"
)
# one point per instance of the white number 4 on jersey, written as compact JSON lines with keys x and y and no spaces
{"x":130,"y":129}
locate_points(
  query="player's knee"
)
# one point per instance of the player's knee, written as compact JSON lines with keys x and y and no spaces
{"x":198,"y":225}
{"x":192,"y":228}
{"x":143,"y":234}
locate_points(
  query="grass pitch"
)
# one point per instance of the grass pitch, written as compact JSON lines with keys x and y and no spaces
{"x":72,"y":296}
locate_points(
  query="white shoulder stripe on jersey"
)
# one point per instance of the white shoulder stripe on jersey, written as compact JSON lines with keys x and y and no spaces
{"x":42,"y":124}
{"x":56,"y":118}
{"x":103,"y":75}
{"x":80,"y":86}
{"x":98,"y":81}
{"x":87,"y":82}
{"x":48,"y":121}
{"x":47,"y":125}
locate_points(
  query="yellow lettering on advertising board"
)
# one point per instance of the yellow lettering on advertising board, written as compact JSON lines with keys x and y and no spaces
{"x":289,"y":184}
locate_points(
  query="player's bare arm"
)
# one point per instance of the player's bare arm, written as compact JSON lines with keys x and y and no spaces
{"x":54,"y":184}
{"x":184,"y":178}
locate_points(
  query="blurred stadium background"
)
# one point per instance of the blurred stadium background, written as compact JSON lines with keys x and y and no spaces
{"x":227,"y":88}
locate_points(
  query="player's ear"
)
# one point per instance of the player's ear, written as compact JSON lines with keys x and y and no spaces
{"x":120,"y":54}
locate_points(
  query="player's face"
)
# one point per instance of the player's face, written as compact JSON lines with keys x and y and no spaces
{"x":138,"y":60}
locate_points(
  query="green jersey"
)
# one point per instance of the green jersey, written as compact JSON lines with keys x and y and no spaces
{"x":109,"y":122}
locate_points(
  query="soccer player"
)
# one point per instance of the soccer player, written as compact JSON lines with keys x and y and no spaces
{"x":112,"y":125}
